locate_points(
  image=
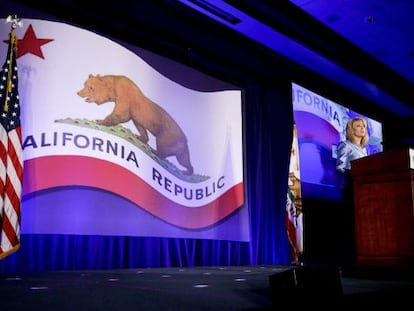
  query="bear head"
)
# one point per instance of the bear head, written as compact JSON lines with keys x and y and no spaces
{"x":96,"y":90}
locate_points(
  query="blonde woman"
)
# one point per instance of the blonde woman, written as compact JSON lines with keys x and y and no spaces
{"x":354,"y":146}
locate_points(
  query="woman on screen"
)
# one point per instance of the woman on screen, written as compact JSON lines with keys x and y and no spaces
{"x":354,"y":147}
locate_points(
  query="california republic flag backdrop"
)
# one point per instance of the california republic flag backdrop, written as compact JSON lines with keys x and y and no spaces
{"x":113,"y":144}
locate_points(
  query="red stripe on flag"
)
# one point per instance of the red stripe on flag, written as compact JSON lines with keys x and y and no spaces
{"x":96,"y":173}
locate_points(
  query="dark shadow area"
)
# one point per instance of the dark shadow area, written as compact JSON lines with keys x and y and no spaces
{"x":200,"y":288}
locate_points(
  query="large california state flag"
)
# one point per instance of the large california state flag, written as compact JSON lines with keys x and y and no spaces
{"x":120,"y":141}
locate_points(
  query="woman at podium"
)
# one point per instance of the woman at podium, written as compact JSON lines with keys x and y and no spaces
{"x":352,"y":148}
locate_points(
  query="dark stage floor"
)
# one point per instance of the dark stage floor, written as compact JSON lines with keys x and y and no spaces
{"x":204,"y":288}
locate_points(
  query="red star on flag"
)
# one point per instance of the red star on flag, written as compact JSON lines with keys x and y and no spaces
{"x":30,"y":44}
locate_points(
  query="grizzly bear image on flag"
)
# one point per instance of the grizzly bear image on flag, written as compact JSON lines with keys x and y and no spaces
{"x":118,"y":140}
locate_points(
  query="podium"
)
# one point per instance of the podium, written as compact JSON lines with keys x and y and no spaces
{"x":383,"y":208}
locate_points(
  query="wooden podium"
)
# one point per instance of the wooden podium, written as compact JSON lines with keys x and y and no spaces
{"x":384,"y":209}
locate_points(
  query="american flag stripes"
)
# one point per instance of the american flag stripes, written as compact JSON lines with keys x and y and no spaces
{"x":11,"y":153}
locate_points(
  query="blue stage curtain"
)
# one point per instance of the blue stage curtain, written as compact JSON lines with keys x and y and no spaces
{"x":268,"y":121}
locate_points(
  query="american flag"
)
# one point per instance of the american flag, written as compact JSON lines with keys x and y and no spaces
{"x":11,"y":154}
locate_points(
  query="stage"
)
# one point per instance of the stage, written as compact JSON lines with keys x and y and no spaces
{"x":199,"y":288}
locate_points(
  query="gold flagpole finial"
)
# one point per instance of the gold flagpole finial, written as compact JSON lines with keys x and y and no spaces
{"x":14,"y":21}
